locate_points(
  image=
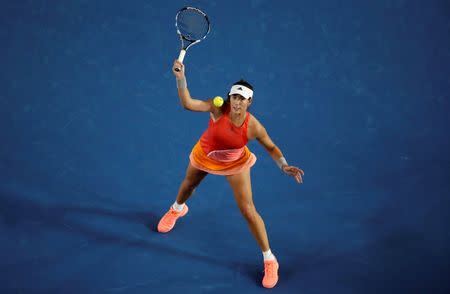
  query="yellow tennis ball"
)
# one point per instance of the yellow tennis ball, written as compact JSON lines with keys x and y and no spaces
{"x":218,"y":101}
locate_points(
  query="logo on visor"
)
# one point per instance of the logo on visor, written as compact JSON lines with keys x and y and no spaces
{"x":240,"y":88}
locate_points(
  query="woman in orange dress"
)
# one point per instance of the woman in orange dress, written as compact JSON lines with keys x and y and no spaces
{"x":222,"y":150}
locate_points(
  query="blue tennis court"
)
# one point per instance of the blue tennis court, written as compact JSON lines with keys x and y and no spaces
{"x":94,"y":145}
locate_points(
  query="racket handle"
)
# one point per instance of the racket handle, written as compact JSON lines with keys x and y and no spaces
{"x":181,"y":58}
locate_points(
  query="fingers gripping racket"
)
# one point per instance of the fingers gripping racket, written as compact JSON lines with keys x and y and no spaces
{"x":192,"y":26}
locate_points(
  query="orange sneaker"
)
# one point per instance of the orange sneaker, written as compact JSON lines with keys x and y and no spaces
{"x":168,"y":221}
{"x":270,"y":273}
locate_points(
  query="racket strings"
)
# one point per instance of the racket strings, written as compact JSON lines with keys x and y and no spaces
{"x":192,"y":24}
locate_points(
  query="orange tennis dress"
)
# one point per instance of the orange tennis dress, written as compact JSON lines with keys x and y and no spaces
{"x":222,"y":148}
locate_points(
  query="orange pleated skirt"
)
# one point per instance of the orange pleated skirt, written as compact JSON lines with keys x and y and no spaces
{"x":201,"y":161}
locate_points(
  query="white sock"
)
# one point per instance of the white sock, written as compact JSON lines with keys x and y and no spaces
{"x":178,"y":207}
{"x":268,"y":255}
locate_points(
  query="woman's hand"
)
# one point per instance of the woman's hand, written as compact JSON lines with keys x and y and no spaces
{"x":294,"y":171}
{"x":178,"y":74}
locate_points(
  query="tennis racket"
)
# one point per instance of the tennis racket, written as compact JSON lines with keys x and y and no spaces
{"x":192,"y":26}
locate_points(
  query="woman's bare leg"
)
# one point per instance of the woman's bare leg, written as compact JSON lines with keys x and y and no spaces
{"x":242,"y":188}
{"x":191,"y":181}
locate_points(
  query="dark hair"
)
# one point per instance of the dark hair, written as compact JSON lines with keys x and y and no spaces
{"x":244,"y":83}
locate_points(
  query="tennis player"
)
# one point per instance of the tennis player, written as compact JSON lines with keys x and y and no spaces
{"x":222,"y":150}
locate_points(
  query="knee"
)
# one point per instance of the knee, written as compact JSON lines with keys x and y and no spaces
{"x":248,"y":211}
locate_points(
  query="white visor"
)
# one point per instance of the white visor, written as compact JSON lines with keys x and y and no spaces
{"x":241,"y":90}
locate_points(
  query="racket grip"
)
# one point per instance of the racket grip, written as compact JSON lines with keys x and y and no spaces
{"x":181,"y":58}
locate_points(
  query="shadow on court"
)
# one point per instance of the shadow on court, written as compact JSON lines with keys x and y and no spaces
{"x":17,"y":213}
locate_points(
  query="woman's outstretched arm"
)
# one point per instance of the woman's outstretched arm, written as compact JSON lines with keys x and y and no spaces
{"x":185,"y":98}
{"x":264,"y":139}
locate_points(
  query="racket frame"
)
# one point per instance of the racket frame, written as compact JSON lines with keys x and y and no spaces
{"x":184,"y":39}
